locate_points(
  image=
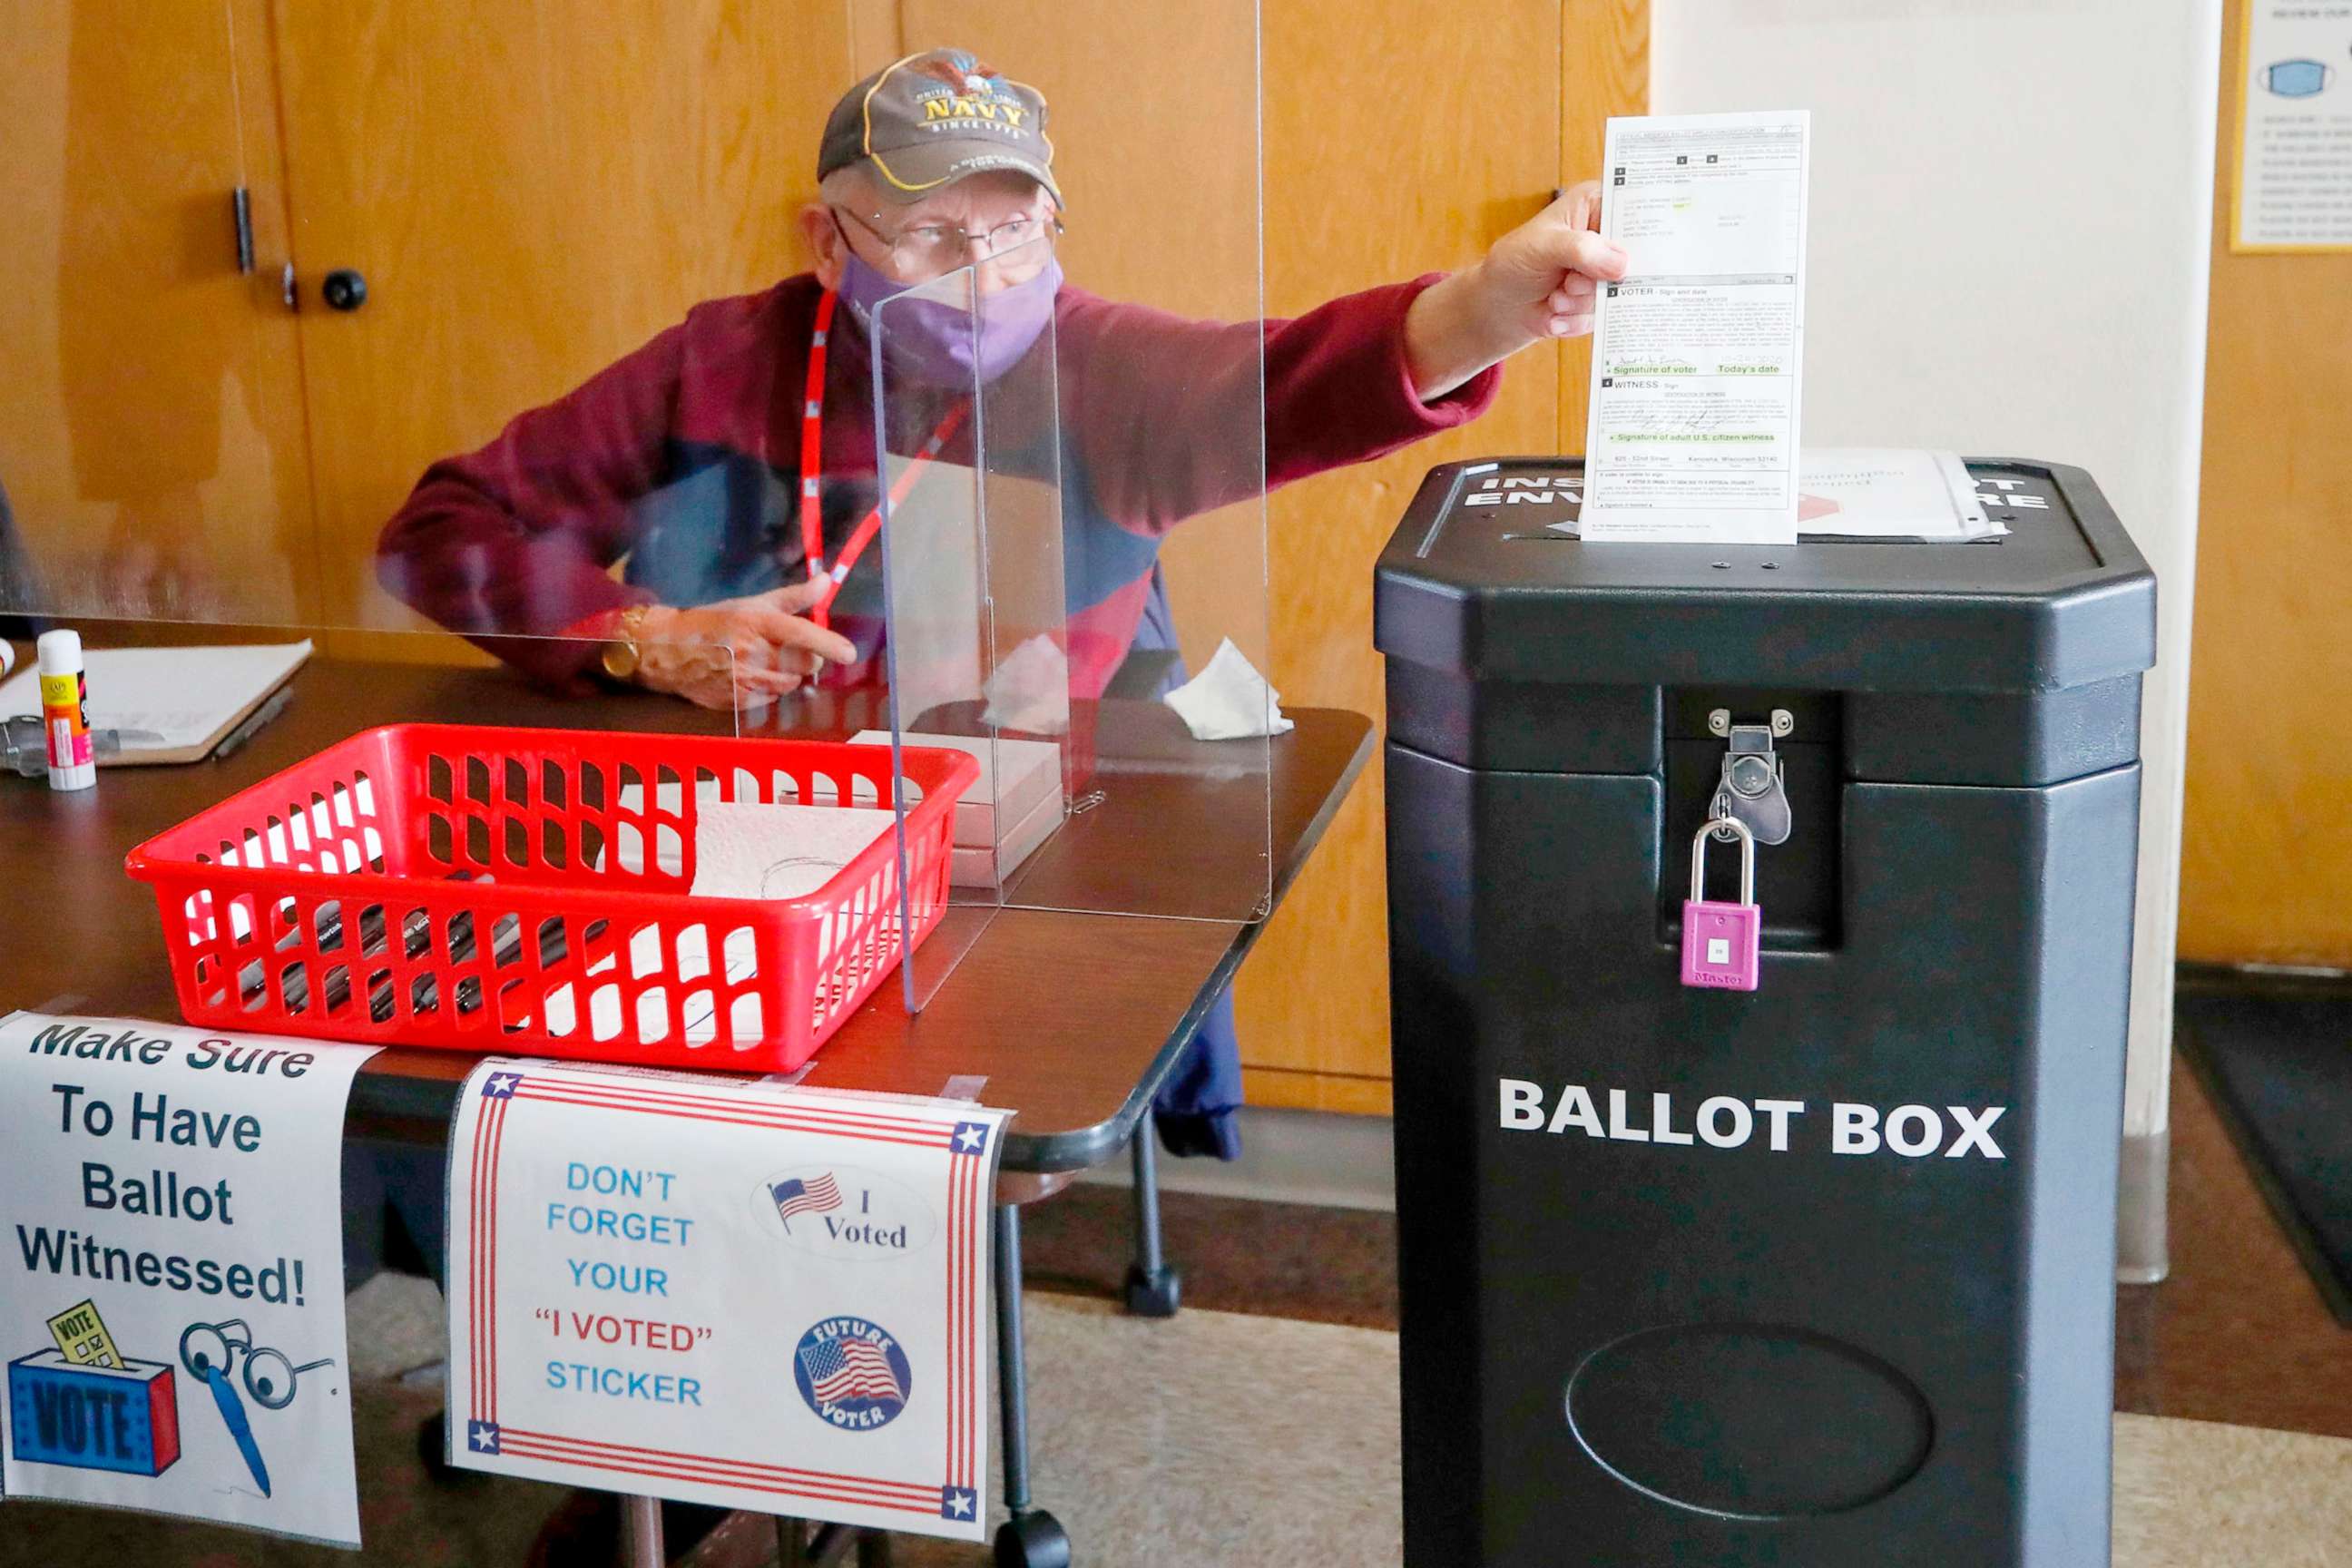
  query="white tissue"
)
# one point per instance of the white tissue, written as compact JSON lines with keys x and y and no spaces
{"x":747,"y":849}
{"x":1229,"y":700}
{"x":1030,"y":689}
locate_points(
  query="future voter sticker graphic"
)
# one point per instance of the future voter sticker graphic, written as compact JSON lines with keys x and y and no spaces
{"x":846,"y":1211}
{"x":852,"y":1374}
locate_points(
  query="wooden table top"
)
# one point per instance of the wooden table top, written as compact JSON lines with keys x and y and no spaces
{"x":1073,"y":1016}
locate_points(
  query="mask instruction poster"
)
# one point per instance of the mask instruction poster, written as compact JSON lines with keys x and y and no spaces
{"x":2294,"y":185}
{"x":171,"y":1279}
{"x":723,"y":1291}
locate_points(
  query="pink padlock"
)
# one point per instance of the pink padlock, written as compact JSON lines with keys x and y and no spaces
{"x":1722,"y":942}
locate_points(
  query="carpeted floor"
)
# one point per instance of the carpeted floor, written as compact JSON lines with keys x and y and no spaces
{"x":2277,"y":1058}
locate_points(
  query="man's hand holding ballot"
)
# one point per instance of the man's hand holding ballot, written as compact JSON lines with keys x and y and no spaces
{"x":1537,"y":282}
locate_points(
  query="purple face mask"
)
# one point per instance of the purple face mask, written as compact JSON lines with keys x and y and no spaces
{"x":934,"y":340}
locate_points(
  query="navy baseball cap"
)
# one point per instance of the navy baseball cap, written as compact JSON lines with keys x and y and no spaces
{"x":931,"y":118}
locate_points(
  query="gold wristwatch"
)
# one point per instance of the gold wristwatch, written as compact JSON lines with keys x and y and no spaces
{"x":621,"y":653}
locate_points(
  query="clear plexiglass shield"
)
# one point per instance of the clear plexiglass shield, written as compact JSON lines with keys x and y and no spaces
{"x":1075,"y":531}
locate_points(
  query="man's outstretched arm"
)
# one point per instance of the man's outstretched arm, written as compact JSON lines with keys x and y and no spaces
{"x":1168,"y":411}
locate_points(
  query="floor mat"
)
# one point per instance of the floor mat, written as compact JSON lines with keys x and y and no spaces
{"x":2278,"y":1060}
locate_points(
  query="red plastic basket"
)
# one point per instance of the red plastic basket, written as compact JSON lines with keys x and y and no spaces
{"x":487,"y":889}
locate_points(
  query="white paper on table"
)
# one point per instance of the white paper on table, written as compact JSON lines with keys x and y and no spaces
{"x":1698,"y":354}
{"x":185,"y":697}
{"x":206,"y":1169}
{"x":726,"y":1291}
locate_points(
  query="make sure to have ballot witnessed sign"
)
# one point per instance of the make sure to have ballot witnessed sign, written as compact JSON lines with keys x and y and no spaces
{"x":172,"y":1276}
{"x":723,"y":1291}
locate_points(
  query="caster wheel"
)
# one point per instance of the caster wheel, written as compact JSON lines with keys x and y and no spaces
{"x":1033,"y":1540}
{"x":1153,"y":1295}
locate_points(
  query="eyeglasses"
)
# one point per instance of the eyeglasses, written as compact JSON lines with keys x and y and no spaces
{"x":934,"y":249}
{"x":268,"y":1374}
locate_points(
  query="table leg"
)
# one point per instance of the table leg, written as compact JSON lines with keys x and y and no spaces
{"x":1032,"y":1537}
{"x":799,"y":1547}
{"x":641,"y":1534}
{"x":1153,"y":1289}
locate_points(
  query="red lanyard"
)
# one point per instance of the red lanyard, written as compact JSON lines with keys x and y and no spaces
{"x":813,"y":467}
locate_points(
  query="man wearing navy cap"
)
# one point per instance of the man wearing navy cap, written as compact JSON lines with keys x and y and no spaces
{"x":685,"y":462}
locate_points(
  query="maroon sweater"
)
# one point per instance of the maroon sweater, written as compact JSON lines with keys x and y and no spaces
{"x":680,"y":460}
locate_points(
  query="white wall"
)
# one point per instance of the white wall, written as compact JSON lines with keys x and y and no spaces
{"x":2012,"y":210}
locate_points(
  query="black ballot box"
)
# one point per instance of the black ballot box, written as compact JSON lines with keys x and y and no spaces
{"x":1819,"y":1275}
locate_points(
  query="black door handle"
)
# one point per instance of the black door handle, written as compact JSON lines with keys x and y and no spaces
{"x":344,"y":290}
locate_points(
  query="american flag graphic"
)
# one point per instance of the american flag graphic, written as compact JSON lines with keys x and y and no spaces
{"x":847,"y":1369}
{"x":805,"y":1197}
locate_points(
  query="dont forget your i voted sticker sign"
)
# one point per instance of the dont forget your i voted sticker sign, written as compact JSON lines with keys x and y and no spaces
{"x":723,"y":1291}
{"x":172,"y":1273}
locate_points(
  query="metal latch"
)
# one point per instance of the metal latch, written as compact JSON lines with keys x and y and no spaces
{"x":1753,"y":791}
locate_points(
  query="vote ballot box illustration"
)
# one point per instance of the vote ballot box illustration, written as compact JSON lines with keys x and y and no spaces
{"x":1822,"y":1272}
{"x":124,"y":1418}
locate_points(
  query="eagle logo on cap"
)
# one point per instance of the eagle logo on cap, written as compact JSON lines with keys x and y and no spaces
{"x":963,"y":74}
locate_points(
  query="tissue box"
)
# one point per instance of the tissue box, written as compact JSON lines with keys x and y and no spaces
{"x":1014,"y":778}
{"x":1020,"y":786}
{"x":122,"y":1418}
{"x":982,"y":866}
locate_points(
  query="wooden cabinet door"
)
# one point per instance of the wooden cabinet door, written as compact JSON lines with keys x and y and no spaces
{"x":530,"y":189}
{"x":2265,"y":857}
{"x":151,"y":424}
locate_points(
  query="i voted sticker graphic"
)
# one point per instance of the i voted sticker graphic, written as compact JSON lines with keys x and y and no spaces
{"x":852,"y":1374}
{"x":842,"y":1211}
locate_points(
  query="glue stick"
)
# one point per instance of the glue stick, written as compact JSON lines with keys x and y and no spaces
{"x":65,"y":714}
